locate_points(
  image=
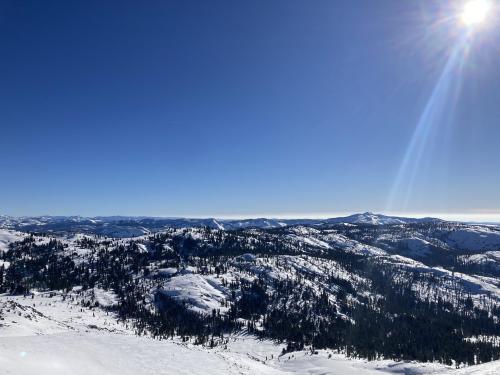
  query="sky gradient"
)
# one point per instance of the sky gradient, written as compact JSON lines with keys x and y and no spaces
{"x":238,"y":108}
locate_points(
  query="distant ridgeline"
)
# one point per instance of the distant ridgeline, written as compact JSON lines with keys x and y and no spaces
{"x":422,"y":290}
{"x":125,"y":226}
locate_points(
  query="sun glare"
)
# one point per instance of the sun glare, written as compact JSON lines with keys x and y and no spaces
{"x":475,"y":12}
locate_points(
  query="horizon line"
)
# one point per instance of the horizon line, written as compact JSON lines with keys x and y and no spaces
{"x":478,"y":217}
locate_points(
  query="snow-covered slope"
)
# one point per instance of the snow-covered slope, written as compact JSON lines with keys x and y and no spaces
{"x":378,"y":219}
{"x":202,"y":293}
{"x":8,"y":236}
{"x":64,"y":338}
{"x":475,"y":238}
{"x":84,"y":344}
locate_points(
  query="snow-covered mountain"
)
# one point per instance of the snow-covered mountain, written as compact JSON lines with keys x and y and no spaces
{"x":127,"y":226}
{"x":379,"y":219}
{"x":338,"y":290}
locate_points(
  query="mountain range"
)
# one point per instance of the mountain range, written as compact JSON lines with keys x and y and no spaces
{"x":130,"y":226}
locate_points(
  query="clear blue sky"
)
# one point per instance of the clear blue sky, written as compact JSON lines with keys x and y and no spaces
{"x":244,"y":108}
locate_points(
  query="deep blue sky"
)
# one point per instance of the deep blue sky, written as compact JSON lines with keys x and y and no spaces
{"x":241,"y":108}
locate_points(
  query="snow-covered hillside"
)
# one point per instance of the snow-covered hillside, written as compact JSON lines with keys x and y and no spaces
{"x":475,"y":238}
{"x":8,"y":236}
{"x":52,"y":334}
{"x":84,"y":303}
{"x":378,"y":219}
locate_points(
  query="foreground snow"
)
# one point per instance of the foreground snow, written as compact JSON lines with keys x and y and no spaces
{"x":83,"y":353}
{"x":107,"y":353}
{"x":52,"y":334}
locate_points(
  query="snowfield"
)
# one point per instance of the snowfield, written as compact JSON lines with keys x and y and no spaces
{"x":8,"y":236}
{"x":51,"y":334}
{"x":202,"y":294}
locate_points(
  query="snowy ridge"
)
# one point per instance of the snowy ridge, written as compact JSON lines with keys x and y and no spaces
{"x":127,"y":226}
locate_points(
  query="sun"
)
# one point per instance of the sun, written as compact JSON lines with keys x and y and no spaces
{"x":475,"y":12}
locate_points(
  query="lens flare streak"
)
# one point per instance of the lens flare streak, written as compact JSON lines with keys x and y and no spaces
{"x":438,"y":108}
